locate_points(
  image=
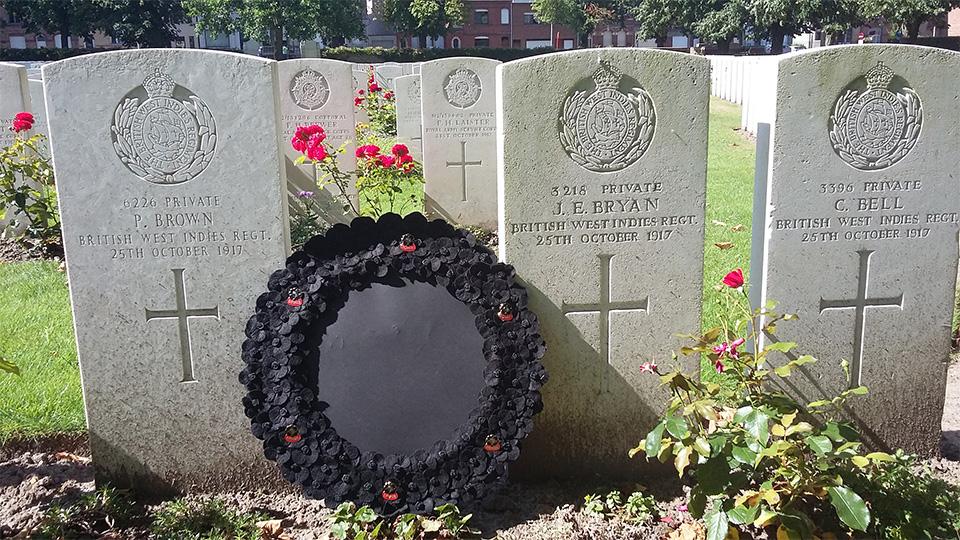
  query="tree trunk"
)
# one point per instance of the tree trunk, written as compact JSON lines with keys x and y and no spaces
{"x":584,"y":39}
{"x":723,"y":45}
{"x":278,"y":43}
{"x":661,"y":41}
{"x":422,"y":41}
{"x":913,"y":29}
{"x":776,"y":39}
{"x":65,"y":34}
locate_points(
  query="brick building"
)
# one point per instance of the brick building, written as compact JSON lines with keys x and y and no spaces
{"x":505,"y":24}
{"x":14,"y":36}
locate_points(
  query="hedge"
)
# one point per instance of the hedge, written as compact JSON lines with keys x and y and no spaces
{"x":363,"y":55}
{"x":44,"y":54}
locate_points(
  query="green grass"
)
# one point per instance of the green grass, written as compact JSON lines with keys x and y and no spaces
{"x":730,"y":167}
{"x":36,"y":333}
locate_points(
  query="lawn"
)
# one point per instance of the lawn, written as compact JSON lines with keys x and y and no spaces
{"x":36,"y":330}
{"x":36,"y":333}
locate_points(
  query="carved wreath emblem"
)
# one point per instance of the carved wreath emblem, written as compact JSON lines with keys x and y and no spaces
{"x":463,"y":88}
{"x":164,"y":140}
{"x":309,"y":90}
{"x":875,"y":128}
{"x":607,"y":130}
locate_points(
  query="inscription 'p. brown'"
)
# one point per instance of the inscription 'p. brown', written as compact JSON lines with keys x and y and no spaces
{"x":183,"y":316}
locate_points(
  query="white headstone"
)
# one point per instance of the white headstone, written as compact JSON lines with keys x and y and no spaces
{"x":459,"y":140}
{"x":38,"y":107}
{"x":387,"y":73}
{"x":602,"y":184}
{"x":14,"y":98}
{"x":172,"y":196}
{"x":861,"y":229}
{"x":409,"y":121}
{"x":317,"y":91}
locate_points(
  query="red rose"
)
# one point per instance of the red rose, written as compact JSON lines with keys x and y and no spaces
{"x":388,"y":95}
{"x":317,"y":152}
{"x":399,"y":150}
{"x":360,"y":92}
{"x":368,"y":151}
{"x":386,"y":161}
{"x":24,"y":116}
{"x":404,"y":159}
{"x":373,"y":87}
{"x":357,"y":102}
{"x":734,"y":279}
{"x":298,"y":144}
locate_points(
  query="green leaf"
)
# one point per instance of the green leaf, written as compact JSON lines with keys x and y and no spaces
{"x":698,"y":503}
{"x":744,"y":455}
{"x":702,"y":447}
{"x":366,"y":515}
{"x":860,"y":461}
{"x":757,"y":423}
{"x":840,"y":432}
{"x":781,"y":346}
{"x":851,"y":509}
{"x":677,"y":426}
{"x":820,"y":444}
{"x":713,"y":475}
{"x":858,"y":391}
{"x":743,"y":514}
{"x":717,"y":524}
{"x":797,"y":524}
{"x":654,"y":440}
{"x":880,"y":456}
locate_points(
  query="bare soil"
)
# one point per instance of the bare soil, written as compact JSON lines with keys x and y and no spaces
{"x":38,"y":474}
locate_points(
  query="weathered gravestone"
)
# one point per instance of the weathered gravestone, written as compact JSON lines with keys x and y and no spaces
{"x":602,"y":183}
{"x":317,"y":91}
{"x":14,"y":98}
{"x":172,"y":196}
{"x":38,"y":107}
{"x":409,"y":121}
{"x":861,"y":230}
{"x":459,"y":139}
{"x":387,"y":73}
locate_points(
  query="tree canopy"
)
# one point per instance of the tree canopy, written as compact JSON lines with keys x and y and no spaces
{"x":66,"y":17}
{"x":334,"y":20}
{"x":145,"y":23}
{"x":581,"y":16}
{"x":906,"y":14}
{"x":424,"y":18}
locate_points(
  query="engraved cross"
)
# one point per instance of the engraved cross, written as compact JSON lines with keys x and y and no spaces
{"x":605,"y":308}
{"x":860,"y":305}
{"x":463,"y":164}
{"x":183,"y":316}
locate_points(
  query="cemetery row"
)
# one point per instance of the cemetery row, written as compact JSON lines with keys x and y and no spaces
{"x":593,"y":166}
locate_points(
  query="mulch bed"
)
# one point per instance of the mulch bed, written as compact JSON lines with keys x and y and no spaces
{"x":11,"y":251}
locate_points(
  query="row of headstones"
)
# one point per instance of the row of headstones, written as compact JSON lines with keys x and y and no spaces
{"x":172,"y":194}
{"x":748,"y":81}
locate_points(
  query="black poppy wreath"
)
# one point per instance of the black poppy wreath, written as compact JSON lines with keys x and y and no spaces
{"x":303,"y":298}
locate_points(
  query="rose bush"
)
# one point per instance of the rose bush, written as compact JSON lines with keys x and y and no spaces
{"x":28,"y":196}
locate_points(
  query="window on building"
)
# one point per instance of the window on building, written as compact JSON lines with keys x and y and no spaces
{"x":537,"y":43}
{"x":13,"y":18}
{"x":41,"y":41}
{"x":567,"y":44}
{"x":616,"y":40}
{"x":505,"y":16}
{"x":455,"y":43}
{"x":530,"y":18}
{"x":481,"y":41}
{"x":18,"y":42}
{"x":505,"y":42}
{"x":193,"y":42}
{"x":481,"y":16}
{"x":88,"y":42}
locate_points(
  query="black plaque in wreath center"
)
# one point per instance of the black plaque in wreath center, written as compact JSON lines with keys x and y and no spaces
{"x":397,"y":353}
{"x":393,"y":363}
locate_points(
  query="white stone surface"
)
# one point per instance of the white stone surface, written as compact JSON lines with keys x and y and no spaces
{"x":173,"y":202}
{"x":38,"y":107}
{"x":317,"y":91}
{"x":459,"y":140}
{"x":409,"y":121}
{"x":602,"y":183}
{"x":14,"y":98}
{"x":862,"y":207}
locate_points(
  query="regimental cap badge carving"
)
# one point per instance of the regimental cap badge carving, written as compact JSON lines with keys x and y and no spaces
{"x":875,"y":128}
{"x":607,"y":129}
{"x":309,"y":90}
{"x":163,"y":140}
{"x":463,"y":88}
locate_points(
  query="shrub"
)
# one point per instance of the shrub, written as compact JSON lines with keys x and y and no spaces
{"x":379,"y":54}
{"x":637,"y":509}
{"x":380,"y":106}
{"x":352,"y":523}
{"x":755,"y":456}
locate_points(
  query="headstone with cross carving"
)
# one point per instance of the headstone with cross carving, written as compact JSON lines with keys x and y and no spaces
{"x":860,"y":233}
{"x":603,"y":177}
{"x":409,"y":123}
{"x":459,"y":140}
{"x":172,"y":194}
{"x":317,"y":91}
